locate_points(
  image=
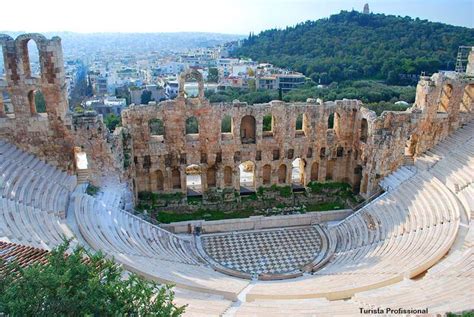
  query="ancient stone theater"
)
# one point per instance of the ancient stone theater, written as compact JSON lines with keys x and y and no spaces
{"x":410,"y":243}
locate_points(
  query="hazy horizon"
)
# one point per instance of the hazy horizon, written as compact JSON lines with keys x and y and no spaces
{"x":211,"y":16}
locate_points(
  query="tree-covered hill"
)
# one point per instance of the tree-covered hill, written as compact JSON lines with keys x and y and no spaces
{"x":352,"y":45}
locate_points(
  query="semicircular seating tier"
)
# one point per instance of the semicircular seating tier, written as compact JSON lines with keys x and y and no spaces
{"x":149,"y":250}
{"x":34,"y":199}
{"x":31,"y":181}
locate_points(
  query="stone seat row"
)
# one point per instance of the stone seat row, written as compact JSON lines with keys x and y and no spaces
{"x":448,"y":288}
{"x":447,"y":291}
{"x":396,"y":178}
{"x":201,"y":304}
{"x":127,"y":233}
{"x":27,"y":225}
{"x":11,"y":154}
{"x":455,"y":144}
{"x":149,"y":250}
{"x":32,"y":189}
{"x":415,"y":226}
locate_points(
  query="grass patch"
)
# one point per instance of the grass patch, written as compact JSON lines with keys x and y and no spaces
{"x":170,"y":216}
{"x":325,"y":206}
{"x":194,"y":200}
{"x":92,"y":190}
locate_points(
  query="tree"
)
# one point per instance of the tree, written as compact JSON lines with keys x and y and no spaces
{"x":352,"y":45}
{"x":81,"y":284}
{"x":213,"y":76}
{"x":112,"y":121}
{"x":145,"y":97}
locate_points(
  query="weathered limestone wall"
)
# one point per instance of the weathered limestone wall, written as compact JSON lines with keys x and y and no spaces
{"x":158,"y":158}
{"x":51,"y":135}
{"x":44,"y":134}
{"x":361,"y":148}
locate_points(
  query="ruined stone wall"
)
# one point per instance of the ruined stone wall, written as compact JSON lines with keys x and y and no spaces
{"x":44,"y":134}
{"x":51,"y":135}
{"x":326,"y":153}
{"x":360,"y":148}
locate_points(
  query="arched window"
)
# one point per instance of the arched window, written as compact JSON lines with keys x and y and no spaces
{"x":299,"y":122}
{"x":156,"y":127}
{"x":192,"y":126}
{"x":6,"y":106}
{"x":36,"y":102}
{"x":445,"y":97}
{"x":363,"y":130}
{"x":331,"y":121}
{"x":176,"y":178}
{"x":211,"y":177}
{"x":314,"y":171}
{"x":340,"y":151}
{"x":228,"y":176}
{"x":247,"y":130}
{"x":282,"y":174}
{"x":226,"y":124}
{"x":31,"y":59}
{"x":267,"y":123}
{"x":266,"y":174}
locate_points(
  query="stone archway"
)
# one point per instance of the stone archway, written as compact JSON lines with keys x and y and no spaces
{"x":314,"y":172}
{"x":248,"y":130}
{"x":267,"y":174}
{"x":247,"y":177}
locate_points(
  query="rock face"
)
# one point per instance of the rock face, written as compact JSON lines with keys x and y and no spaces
{"x":334,"y":140}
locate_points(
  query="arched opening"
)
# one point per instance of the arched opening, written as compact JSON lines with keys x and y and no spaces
{"x":297,"y":172}
{"x":192,"y":126}
{"x":467,"y":99}
{"x":329,"y":170}
{"x":159,"y":180}
{"x":36,"y":102}
{"x":193,"y":180}
{"x":340,"y":151}
{"x":314,"y":172}
{"x":31,"y":59}
{"x":6,"y":106}
{"x":301,"y":124}
{"x":282,"y":174}
{"x":176,"y":179}
{"x":363,"y":130}
{"x":331,"y":121}
{"x":266,"y":174}
{"x":227,"y":176}
{"x":247,"y":130}
{"x":226,"y":124}
{"x":267,"y":125}
{"x":247,"y":177}
{"x":445,"y":97}
{"x":211,"y":177}
{"x":156,"y":127}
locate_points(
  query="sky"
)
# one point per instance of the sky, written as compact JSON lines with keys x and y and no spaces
{"x":220,"y":16}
